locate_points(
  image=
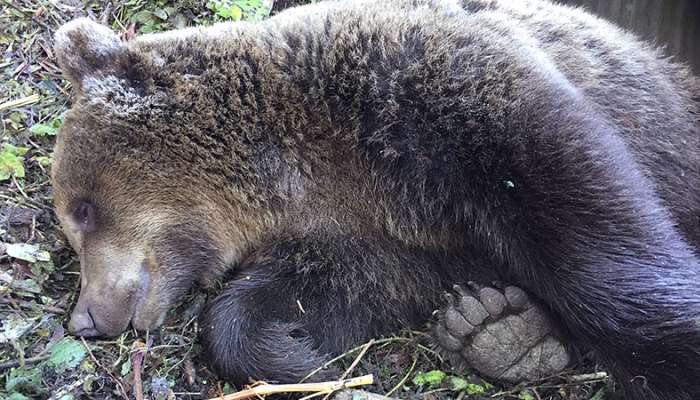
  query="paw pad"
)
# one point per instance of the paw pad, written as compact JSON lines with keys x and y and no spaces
{"x":502,"y":334}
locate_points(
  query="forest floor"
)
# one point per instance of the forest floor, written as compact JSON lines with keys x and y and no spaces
{"x":39,"y":273}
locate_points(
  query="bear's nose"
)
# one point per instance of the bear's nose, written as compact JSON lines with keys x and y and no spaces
{"x":81,"y":324}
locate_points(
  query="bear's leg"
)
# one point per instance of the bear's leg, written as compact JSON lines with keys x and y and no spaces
{"x":501,"y":333}
{"x":297,"y":303}
{"x":584,"y":229}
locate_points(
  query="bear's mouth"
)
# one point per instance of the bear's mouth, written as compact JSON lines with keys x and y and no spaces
{"x":110,"y":314}
{"x":141,"y":293}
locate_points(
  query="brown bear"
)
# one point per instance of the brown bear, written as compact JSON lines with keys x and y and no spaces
{"x":350,"y":161}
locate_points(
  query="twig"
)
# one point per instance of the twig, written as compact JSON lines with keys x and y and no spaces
{"x":25,"y":101}
{"x":63,"y":392}
{"x":21,"y":191}
{"x":573,"y":380}
{"x":354,"y":364}
{"x":340,"y":357}
{"x":17,"y":363}
{"x":587,"y":377}
{"x":138,"y":351}
{"x":314,"y":395}
{"x":357,"y":359}
{"x":321,"y":387}
{"x":536,"y":394}
{"x":404,"y":379}
{"x":116,"y":380}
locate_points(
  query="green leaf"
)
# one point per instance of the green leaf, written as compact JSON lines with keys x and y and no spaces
{"x":87,"y":366}
{"x":228,"y":389}
{"x":11,"y":162}
{"x":27,"y":252}
{"x":66,"y":354}
{"x":431,"y":378}
{"x":13,"y":327}
{"x":27,"y":285}
{"x":43,"y":129}
{"x":50,"y":128}
{"x":151,"y":27}
{"x":474,"y":389}
{"x":458,"y":384}
{"x":526,"y":395}
{"x":126,"y":367}
{"x":16,"y":150}
{"x":161,"y":14}
{"x":18,"y":396}
{"x":21,"y":380}
{"x":236,"y":13}
{"x":142,"y":17}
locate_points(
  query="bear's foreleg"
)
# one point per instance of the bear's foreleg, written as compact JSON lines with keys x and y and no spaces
{"x":300,"y":301}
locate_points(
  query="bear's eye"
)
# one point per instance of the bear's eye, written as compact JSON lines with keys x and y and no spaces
{"x":84,"y":216}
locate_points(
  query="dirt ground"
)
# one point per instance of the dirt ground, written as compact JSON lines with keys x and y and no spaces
{"x":39,"y":272}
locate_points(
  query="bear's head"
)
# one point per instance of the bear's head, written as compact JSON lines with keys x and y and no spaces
{"x":148,"y":198}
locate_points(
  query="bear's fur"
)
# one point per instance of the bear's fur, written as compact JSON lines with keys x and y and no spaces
{"x":351,"y":160}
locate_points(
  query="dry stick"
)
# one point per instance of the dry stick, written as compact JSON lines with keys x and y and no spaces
{"x":65,"y":391}
{"x":25,"y":101}
{"x":357,"y":359}
{"x":587,"y":377}
{"x":137,"y":355}
{"x":533,"y":390}
{"x":353,"y":365}
{"x":573,"y":381}
{"x":404,"y":379}
{"x":314,"y":395}
{"x":17,"y":363}
{"x":322,"y":387}
{"x":116,"y":380}
{"x":340,"y":357}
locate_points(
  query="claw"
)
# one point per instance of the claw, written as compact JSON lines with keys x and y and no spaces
{"x":449,"y":298}
{"x":500,"y":285}
{"x":461,"y":290}
{"x":475,"y":287}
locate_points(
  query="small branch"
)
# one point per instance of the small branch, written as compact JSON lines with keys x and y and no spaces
{"x":353,"y":365}
{"x":25,"y":101}
{"x":340,"y":357}
{"x":404,"y":379}
{"x":138,"y":352}
{"x":321,"y":388}
{"x":69,"y":389}
{"x":587,"y":377}
{"x":357,"y":359}
{"x":572,"y":380}
{"x":16,"y":363}
{"x":114,"y":379}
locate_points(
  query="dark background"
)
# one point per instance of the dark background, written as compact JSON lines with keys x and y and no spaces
{"x":673,"y":24}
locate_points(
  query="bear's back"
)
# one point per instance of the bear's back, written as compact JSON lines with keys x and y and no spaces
{"x":392,"y":74}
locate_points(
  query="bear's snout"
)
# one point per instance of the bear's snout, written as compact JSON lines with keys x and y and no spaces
{"x":103,"y":311}
{"x":82,"y":324}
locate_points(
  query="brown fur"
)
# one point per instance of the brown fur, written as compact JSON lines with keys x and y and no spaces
{"x":361,"y":157}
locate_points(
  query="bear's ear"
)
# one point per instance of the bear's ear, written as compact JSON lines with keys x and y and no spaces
{"x":86,"y":49}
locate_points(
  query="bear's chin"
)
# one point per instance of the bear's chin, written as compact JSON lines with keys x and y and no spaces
{"x":147,"y":321}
